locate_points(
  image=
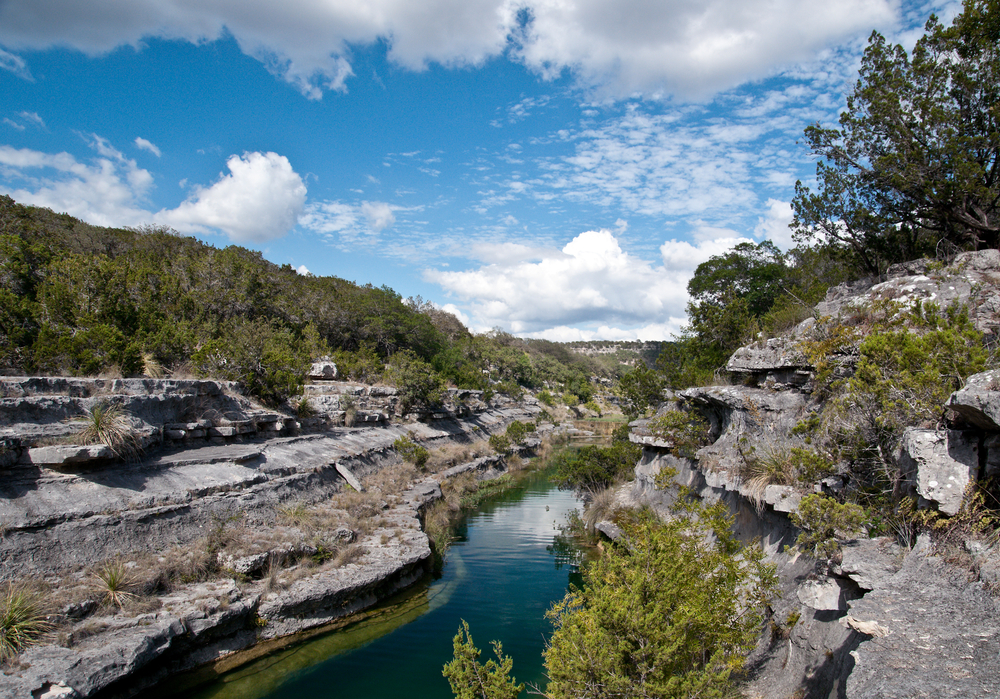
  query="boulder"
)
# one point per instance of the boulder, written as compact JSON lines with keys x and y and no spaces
{"x":978,"y":402}
{"x":323,"y":369}
{"x":939,"y":465}
{"x":68,"y":455}
{"x":822,"y":595}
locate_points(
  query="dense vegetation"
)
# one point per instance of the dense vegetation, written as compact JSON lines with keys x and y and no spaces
{"x":76,"y":299}
{"x":669,"y":611}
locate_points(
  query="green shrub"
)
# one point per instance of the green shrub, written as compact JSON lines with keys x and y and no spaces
{"x":411,"y":451}
{"x":822,"y":520}
{"x":416,"y":381}
{"x":518,"y":430}
{"x":547,"y":398}
{"x":469,"y":679}
{"x":655,"y":617}
{"x":115,"y":582}
{"x":500,"y":443}
{"x":687,"y":431}
{"x":593,"y":407}
{"x":106,"y":423}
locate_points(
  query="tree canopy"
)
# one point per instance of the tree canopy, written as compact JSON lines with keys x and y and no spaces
{"x":915,"y":163}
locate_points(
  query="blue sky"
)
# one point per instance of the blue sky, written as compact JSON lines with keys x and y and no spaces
{"x":557,"y":168}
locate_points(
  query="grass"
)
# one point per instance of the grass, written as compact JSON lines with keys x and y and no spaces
{"x":22,"y":619}
{"x":116,"y":582}
{"x":600,"y":508}
{"x":108,"y":424}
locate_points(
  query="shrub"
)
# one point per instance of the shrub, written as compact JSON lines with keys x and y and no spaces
{"x":823,"y":519}
{"x":655,"y":617}
{"x":415,"y":380}
{"x":518,"y":430}
{"x":470,"y":679}
{"x":547,"y":398}
{"x":411,"y":451}
{"x":304,"y":408}
{"x":22,"y":619}
{"x":686,"y":431}
{"x":593,"y":407}
{"x":500,"y":443}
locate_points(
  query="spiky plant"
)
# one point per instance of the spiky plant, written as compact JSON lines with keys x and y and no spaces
{"x":22,"y":619}
{"x":116,"y":582}
{"x":106,"y":423}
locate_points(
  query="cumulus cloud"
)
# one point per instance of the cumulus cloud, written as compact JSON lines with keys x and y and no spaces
{"x":106,"y":191}
{"x":143,"y":144}
{"x":379,"y":215}
{"x":303,"y":270}
{"x":590,"y":288}
{"x":259,"y":200}
{"x":678,"y":46}
{"x":774,"y":224}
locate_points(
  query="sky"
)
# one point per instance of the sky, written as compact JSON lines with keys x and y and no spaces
{"x":554,"y":168}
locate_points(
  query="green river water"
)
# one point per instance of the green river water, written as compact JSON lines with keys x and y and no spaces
{"x":502,"y":573}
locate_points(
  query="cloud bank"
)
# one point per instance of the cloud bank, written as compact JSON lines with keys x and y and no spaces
{"x":684,"y":47}
{"x":590,"y":283}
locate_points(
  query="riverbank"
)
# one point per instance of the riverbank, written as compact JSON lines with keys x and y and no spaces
{"x":220,"y":546}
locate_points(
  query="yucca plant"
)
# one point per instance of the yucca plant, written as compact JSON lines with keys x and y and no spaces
{"x":108,"y":424}
{"x":116,"y":582}
{"x":22,"y":619}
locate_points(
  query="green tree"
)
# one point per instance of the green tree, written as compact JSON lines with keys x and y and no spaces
{"x":671,"y":611}
{"x":470,"y":679}
{"x":639,"y":390}
{"x":916,"y":159}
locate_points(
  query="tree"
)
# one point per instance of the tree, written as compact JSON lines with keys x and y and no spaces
{"x":916,"y":160}
{"x":671,"y":611}
{"x":753,"y":272}
{"x":469,"y":679}
{"x":640,"y":389}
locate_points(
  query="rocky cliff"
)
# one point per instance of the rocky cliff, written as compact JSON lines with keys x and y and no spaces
{"x":912,"y":612}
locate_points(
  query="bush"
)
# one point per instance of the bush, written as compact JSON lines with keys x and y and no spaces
{"x":500,"y":443}
{"x":416,"y":381}
{"x":655,"y":617}
{"x":823,"y":519}
{"x":107,"y":423}
{"x":686,"y":431}
{"x":469,"y":679}
{"x":518,"y":430}
{"x":547,"y":398}
{"x":411,"y":451}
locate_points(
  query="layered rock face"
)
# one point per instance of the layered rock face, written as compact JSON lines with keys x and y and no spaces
{"x":222,"y":484}
{"x":879,"y":619}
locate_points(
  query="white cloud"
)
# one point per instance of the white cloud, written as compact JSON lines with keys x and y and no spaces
{"x":259,"y":200}
{"x":13,"y":124}
{"x":677,"y":46}
{"x":106,"y":192}
{"x":591,"y":287}
{"x":774,"y":224}
{"x":33,"y":118}
{"x":379,"y":215}
{"x":143,"y":144}
{"x":349,"y":223}
{"x":303,"y":270}
{"x":15,"y":64}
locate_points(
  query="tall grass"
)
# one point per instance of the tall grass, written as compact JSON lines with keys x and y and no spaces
{"x":22,"y":619}
{"x":108,"y":424}
{"x":116,"y":582}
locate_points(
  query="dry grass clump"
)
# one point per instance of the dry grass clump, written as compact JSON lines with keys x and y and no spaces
{"x":600,"y":508}
{"x":22,"y":619}
{"x":116,"y":582}
{"x":108,"y":424}
{"x":152,"y":368}
{"x":392,"y":480}
{"x":450,"y":455}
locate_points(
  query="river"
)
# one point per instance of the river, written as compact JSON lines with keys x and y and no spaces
{"x":503,"y":571}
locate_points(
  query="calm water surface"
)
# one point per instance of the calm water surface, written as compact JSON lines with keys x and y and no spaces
{"x":501,"y":575}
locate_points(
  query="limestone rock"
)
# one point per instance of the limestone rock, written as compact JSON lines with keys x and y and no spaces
{"x":323,"y":370}
{"x":351,"y":479}
{"x":939,"y":465}
{"x":870,"y":562}
{"x":932,"y":633}
{"x":978,"y":402}
{"x":68,"y":455}
{"x":822,"y":595}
